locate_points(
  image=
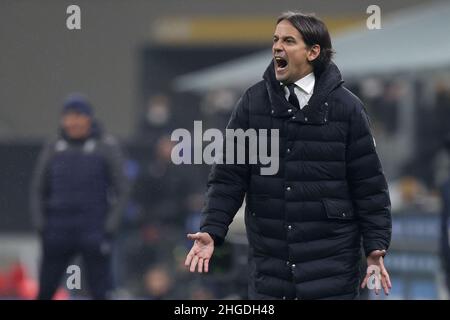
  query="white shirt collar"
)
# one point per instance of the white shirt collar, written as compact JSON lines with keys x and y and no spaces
{"x":306,"y":83}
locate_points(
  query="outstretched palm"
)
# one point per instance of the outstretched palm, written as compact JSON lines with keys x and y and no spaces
{"x":200,"y":253}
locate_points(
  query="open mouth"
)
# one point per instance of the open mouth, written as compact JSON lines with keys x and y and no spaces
{"x":280,"y":63}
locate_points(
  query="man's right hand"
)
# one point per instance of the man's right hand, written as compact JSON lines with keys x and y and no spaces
{"x":200,"y":253}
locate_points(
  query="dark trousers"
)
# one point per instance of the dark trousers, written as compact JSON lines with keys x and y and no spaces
{"x":60,"y":248}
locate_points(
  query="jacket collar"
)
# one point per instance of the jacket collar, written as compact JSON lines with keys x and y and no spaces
{"x":315,"y":112}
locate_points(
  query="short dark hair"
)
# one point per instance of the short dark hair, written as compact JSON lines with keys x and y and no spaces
{"x":314,"y":31}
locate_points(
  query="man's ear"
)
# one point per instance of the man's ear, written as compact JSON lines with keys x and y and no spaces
{"x":313,"y":52}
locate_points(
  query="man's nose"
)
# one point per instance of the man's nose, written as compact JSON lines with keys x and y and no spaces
{"x":277,"y":47}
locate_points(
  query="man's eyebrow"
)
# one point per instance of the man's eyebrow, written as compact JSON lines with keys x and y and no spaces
{"x":284,"y":37}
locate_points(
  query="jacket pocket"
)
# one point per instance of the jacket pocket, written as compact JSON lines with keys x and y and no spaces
{"x":339,"y":209}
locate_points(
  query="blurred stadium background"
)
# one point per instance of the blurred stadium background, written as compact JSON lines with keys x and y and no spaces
{"x":152,"y":66}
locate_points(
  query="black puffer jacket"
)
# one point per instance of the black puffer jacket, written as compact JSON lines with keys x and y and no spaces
{"x":305,"y":224}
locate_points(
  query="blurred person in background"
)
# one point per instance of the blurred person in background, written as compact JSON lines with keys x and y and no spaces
{"x":158,"y":283}
{"x":441,"y":113}
{"x":216,"y":107}
{"x":166,"y":196}
{"x":306,"y":223}
{"x":161,"y":187}
{"x":157,"y":119}
{"x":445,"y":222}
{"x":78,"y":192}
{"x":439,"y":134}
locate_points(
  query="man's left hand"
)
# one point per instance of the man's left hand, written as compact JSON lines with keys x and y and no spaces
{"x":375,"y":260}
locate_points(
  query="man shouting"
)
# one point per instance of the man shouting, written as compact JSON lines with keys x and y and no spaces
{"x":306,"y":223}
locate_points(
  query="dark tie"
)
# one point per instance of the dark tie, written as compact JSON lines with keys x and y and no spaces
{"x":292,"y":96}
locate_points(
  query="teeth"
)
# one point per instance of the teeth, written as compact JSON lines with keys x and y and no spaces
{"x":281,"y":62}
